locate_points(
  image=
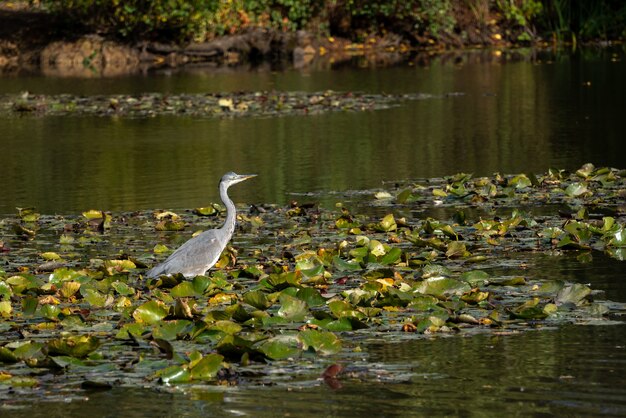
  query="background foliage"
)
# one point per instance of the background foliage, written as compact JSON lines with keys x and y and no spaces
{"x":414,"y":20}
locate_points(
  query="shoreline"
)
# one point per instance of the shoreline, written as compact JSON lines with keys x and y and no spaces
{"x":33,"y":42}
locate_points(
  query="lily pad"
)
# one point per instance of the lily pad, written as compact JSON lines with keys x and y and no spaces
{"x":441,"y":287}
{"x":280,"y":347}
{"x":292,"y":308}
{"x":151,"y":312}
{"x":321,"y":342}
{"x":74,"y":346}
{"x":574,"y":293}
{"x":207,"y":367}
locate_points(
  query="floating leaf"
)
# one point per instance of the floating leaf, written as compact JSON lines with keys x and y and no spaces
{"x":280,"y":347}
{"x":618,"y":239}
{"x":475,"y":277}
{"x":5,"y":290}
{"x":292,"y":308}
{"x":93,"y":214}
{"x":576,"y":189}
{"x":376,"y":248}
{"x":171,"y":330}
{"x":388,"y":223}
{"x":322,"y":342}
{"x":311,"y":296}
{"x":74,"y":346}
{"x":520,"y":181}
{"x":50,"y":256}
{"x":170,"y":225}
{"x":456,"y":249}
{"x":69,"y":289}
{"x":93,"y":297}
{"x":207,"y":367}
{"x":258,"y":299}
{"x":184,"y":289}
{"x":160,"y":249}
{"x":7,"y":356}
{"x":123,"y":288}
{"x":23,"y":282}
{"x":212,"y":210}
{"x":343,"y":265}
{"x":174,"y":374}
{"x":575,"y":294}
{"x":151,"y":312}
{"x":227,"y":327}
{"x":118,"y":266}
{"x":6,"y":309}
{"x":28,"y":214}
{"x":529,"y":310}
{"x":441,"y":287}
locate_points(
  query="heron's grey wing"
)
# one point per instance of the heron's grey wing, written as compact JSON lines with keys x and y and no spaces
{"x":194,"y":257}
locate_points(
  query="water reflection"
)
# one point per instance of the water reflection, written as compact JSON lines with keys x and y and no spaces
{"x":572,"y":371}
{"x":514,"y":117}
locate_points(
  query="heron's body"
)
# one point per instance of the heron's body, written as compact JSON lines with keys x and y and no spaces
{"x":200,"y":253}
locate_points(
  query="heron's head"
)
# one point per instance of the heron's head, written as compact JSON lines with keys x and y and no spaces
{"x":231,"y":178}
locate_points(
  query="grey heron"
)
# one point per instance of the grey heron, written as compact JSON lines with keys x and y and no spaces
{"x":201,"y":252}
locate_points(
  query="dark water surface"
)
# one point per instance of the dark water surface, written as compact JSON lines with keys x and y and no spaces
{"x":518,"y":116}
{"x":572,"y":371}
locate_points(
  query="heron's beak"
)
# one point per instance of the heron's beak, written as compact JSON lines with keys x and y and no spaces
{"x":242,"y":177}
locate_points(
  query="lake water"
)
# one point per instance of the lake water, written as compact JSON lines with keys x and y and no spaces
{"x":518,"y":112}
{"x":515,"y":115}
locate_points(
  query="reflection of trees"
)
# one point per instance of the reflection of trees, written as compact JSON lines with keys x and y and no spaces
{"x":513,"y":117}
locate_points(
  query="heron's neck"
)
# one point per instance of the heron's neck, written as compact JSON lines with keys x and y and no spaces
{"x":231,"y":213}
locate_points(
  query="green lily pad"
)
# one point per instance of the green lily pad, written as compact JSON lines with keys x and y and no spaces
{"x":257,"y":299}
{"x":74,"y":346}
{"x":441,"y":287}
{"x":344,"y":265}
{"x":456,"y":249}
{"x":28,"y":214}
{"x":292,"y":308}
{"x":6,"y":309}
{"x":7,"y":356}
{"x":618,"y":238}
{"x":207,"y":367}
{"x":520,"y":181}
{"x":171,"y":330}
{"x":322,"y":342}
{"x":574,"y":293}
{"x":280,"y":347}
{"x":227,"y":327}
{"x":184,"y":289}
{"x":475,"y":277}
{"x":311,"y":296}
{"x":174,"y":374}
{"x":529,"y":310}
{"x":212,"y":210}
{"x":391,"y":257}
{"x":151,"y":312}
{"x":576,"y":189}
{"x":388,"y":223}
{"x":93,"y":297}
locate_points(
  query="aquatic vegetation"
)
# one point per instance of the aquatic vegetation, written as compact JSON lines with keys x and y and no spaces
{"x":303,"y":288}
{"x":220,"y":105}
